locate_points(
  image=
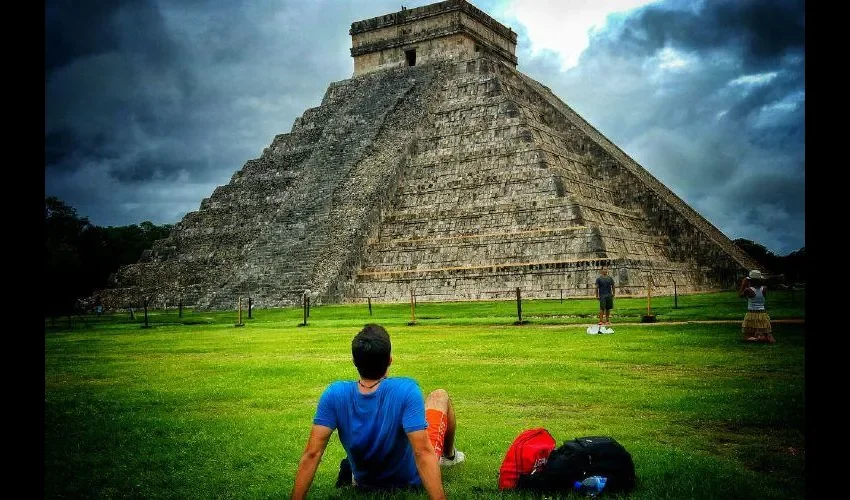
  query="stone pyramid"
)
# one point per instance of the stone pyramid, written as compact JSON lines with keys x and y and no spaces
{"x":441,"y":170}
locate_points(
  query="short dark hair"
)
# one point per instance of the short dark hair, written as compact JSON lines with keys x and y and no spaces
{"x":371,"y":350}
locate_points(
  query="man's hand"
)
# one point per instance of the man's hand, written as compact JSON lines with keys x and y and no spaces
{"x":316,"y":444}
{"x":427,"y":464}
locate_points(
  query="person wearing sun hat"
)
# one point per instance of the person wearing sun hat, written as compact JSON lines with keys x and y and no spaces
{"x":756,"y":325}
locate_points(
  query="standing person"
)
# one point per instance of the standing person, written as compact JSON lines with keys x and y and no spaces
{"x":393,"y":439}
{"x":756,"y":325}
{"x":605,"y":295}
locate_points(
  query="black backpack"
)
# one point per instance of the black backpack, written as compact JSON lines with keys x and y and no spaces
{"x":580,"y":458}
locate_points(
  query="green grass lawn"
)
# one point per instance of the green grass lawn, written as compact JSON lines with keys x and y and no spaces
{"x":196,"y":408}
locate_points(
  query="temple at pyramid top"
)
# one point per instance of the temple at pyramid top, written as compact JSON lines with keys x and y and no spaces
{"x":453,"y":29}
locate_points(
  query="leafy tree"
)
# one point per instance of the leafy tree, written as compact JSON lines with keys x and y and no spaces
{"x":80,"y":256}
{"x":795,"y":266}
{"x":760,"y":253}
{"x":65,"y":232}
{"x":792,"y":266}
{"x":128,"y":242}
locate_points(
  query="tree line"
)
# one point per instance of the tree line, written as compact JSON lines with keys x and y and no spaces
{"x":791,"y":267}
{"x":80,"y":256}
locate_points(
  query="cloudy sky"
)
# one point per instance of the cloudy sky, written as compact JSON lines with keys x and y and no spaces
{"x":149,"y":105}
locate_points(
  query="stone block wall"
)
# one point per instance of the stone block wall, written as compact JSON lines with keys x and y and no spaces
{"x":506,"y":190}
{"x":695,"y":236}
{"x":289,"y":218}
{"x":451,"y":46}
{"x":445,"y":30}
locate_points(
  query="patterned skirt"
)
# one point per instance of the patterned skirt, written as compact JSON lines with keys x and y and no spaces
{"x":756,"y":327}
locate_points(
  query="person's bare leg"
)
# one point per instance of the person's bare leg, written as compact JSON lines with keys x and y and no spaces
{"x":449,"y":443}
{"x":439,"y":400}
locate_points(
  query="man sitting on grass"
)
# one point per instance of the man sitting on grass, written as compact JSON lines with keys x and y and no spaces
{"x":392,"y":437}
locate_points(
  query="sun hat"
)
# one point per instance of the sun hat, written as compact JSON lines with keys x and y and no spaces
{"x":755,"y":274}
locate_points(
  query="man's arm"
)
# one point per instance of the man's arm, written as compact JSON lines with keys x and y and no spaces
{"x":316,"y":444}
{"x":427,"y":464}
{"x":597,"y":288}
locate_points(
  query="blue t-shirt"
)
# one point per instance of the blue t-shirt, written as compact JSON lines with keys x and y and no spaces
{"x":605,"y":285}
{"x":373,"y":429}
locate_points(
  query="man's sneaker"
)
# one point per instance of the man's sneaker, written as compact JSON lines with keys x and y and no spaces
{"x":605,"y":329}
{"x":448,"y":462}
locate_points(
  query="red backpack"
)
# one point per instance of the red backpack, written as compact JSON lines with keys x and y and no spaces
{"x":526,"y":455}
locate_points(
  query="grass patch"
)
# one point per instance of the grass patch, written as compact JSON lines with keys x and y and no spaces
{"x":195,"y":408}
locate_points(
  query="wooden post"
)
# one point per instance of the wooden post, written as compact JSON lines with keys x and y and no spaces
{"x":648,"y":317}
{"x":146,"y":313}
{"x":304,"y":307}
{"x":180,"y":308}
{"x":308,"y":305}
{"x":249,"y":307}
{"x":562,"y":295}
{"x":370,"y":305}
{"x":675,"y":296}
{"x":239,"y":322}
{"x":518,"y":305}
{"x":412,"y":308}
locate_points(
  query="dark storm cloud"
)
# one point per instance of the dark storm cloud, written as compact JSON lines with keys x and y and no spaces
{"x":151,"y":105}
{"x":69,"y":34}
{"x":157,"y":166}
{"x":113,"y":78}
{"x":760,"y":31}
{"x":709,"y":97}
{"x":61,"y":144}
{"x":75,"y":30}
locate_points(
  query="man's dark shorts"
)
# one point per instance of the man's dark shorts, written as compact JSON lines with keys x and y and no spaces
{"x":606,"y":303}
